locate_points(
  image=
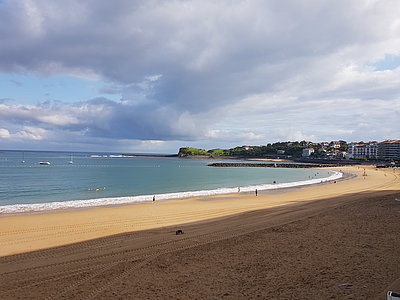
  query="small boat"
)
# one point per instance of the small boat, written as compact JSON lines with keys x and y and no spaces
{"x":44,"y":163}
{"x":71,"y":161}
{"x":23,"y":157}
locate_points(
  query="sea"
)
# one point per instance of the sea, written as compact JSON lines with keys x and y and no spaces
{"x":88,"y":179}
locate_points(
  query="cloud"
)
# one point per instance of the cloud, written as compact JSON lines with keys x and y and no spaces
{"x":227,"y":136}
{"x":4,"y":133}
{"x":105,"y":118}
{"x":31,"y":133}
{"x":27,"y":133}
{"x":248,"y":71}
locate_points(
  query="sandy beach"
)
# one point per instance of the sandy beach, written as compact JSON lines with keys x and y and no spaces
{"x":329,"y":241}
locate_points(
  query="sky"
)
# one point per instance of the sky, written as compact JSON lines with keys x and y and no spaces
{"x":150,"y":76}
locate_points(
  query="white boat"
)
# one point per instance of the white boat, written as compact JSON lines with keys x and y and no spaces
{"x":71,"y":161}
{"x":44,"y":163}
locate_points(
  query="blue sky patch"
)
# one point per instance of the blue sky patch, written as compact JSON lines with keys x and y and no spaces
{"x":390,"y":62}
{"x":31,"y":89}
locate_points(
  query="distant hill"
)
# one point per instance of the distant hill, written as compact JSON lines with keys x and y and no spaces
{"x":282,"y":149}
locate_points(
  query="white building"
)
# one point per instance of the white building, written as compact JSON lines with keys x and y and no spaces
{"x":307,"y":152}
{"x":335,"y":144}
{"x":363,"y":150}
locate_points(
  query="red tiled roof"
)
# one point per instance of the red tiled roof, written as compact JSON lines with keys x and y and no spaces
{"x":391,"y":141}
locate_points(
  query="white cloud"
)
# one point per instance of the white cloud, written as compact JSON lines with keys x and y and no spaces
{"x":58,"y":119}
{"x":245,"y":136}
{"x":4,"y":133}
{"x":31,"y":133}
{"x":153,"y":78}
{"x":27,"y":133}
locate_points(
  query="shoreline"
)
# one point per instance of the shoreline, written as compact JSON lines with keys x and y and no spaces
{"x":30,"y":232}
{"x":57,"y":206}
{"x":345,"y":176}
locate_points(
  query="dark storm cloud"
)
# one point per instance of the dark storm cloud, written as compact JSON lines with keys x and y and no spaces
{"x":105,"y":118}
{"x":146,"y":122}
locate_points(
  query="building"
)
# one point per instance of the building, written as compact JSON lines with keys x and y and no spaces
{"x":389,"y":149}
{"x":335,"y":144}
{"x":324,"y":145}
{"x":307,"y":152}
{"x":363,"y":150}
{"x":306,"y":143}
{"x":336,"y":154}
{"x":341,"y":154}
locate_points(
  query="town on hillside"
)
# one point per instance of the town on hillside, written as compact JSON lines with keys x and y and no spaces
{"x":388,"y":150}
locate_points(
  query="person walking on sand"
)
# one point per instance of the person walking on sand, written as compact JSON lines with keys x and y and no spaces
{"x":256,"y":192}
{"x":154,"y":198}
{"x":238,"y":189}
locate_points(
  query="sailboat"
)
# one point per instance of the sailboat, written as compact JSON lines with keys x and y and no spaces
{"x":71,"y":161}
{"x":23,"y":157}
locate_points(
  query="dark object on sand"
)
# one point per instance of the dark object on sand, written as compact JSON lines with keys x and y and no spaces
{"x":179,"y":231}
{"x":345,"y":286}
{"x":393,"y":296}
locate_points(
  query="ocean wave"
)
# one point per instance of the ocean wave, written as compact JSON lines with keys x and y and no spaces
{"x":19,"y":208}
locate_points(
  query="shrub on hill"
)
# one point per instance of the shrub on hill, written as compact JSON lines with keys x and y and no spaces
{"x":188,"y":151}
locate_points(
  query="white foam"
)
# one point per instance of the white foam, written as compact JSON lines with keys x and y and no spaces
{"x":15,"y":208}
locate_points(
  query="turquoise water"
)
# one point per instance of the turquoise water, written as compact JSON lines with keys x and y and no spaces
{"x":113,"y":178}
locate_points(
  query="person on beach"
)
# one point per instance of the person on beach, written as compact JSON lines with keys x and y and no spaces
{"x":154,"y":198}
{"x":238,"y":189}
{"x":256,"y":192}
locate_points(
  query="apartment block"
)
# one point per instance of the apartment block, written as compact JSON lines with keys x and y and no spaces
{"x":389,"y":149}
{"x":363,"y":150}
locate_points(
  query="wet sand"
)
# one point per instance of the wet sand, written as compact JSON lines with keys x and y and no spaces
{"x":305,"y":242}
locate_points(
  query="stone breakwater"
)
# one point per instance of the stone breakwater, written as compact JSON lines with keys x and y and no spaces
{"x":271,"y":165}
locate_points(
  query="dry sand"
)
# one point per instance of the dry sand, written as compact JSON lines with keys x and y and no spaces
{"x":301,"y":244}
